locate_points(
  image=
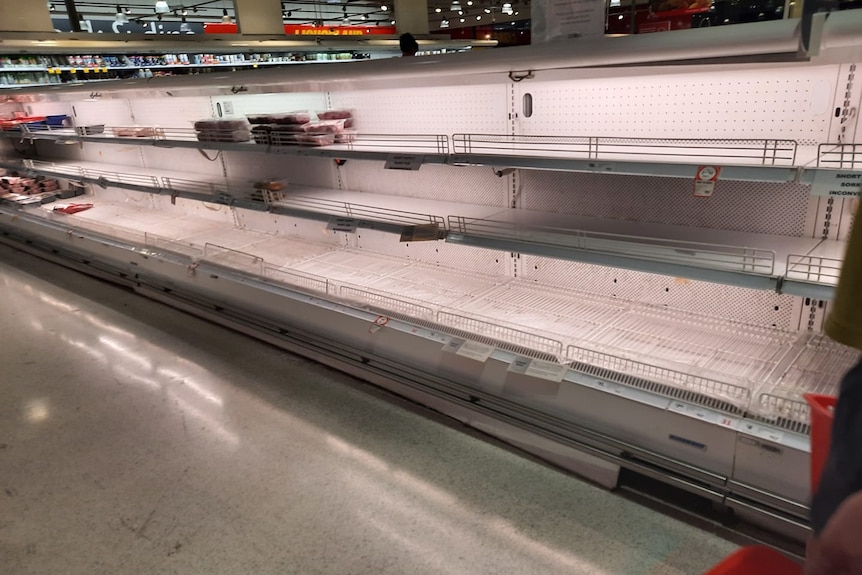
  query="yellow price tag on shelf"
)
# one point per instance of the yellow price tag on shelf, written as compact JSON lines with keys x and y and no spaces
{"x":105,"y":70}
{"x":72,"y":70}
{"x":86,"y":70}
{"x":254,"y":66}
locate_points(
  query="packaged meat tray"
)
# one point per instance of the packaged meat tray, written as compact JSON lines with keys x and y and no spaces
{"x":133,"y":132}
{"x":286,"y":118}
{"x":224,"y":136}
{"x":324,"y":127}
{"x":226,"y":125}
{"x":291,"y":118}
{"x":316,"y":139}
{"x":260,"y":133}
{"x":289,"y":128}
{"x":335,"y":114}
{"x":278,"y":138}
{"x":345,"y":137}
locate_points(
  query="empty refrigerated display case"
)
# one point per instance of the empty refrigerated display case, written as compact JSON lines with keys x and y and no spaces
{"x":618,"y":257}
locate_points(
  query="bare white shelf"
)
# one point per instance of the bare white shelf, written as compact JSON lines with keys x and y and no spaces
{"x":750,"y":260}
{"x":738,"y":160}
{"x":722,"y":361}
{"x":758,"y":261}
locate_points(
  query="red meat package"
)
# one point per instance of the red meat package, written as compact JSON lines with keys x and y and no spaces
{"x":71,"y":208}
{"x":335,"y":115}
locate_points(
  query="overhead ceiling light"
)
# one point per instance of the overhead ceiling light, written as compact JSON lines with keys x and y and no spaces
{"x":345,"y":21}
{"x":460,"y":13}
{"x":479,"y":17}
{"x":51,"y":7}
{"x":444,"y":23}
{"x":392,"y":22}
{"x":384,"y":7}
{"x":438,"y":9}
{"x":120,"y":18}
{"x":469,"y":2}
{"x":462,"y":20}
{"x":487,"y":10}
{"x":455,"y":6}
{"x":364,"y":17}
{"x":225,"y":17}
{"x":162,"y":7}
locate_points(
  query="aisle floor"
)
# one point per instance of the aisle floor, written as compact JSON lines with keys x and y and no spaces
{"x":137,"y":439}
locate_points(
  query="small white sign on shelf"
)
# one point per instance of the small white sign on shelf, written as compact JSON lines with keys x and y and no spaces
{"x":835,"y":183}
{"x":337,"y":224}
{"x":704,"y":181}
{"x":404,"y":162}
{"x":538,"y":368}
{"x":469,"y":349}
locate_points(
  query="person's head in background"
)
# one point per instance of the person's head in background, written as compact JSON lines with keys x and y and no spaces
{"x":409,"y":45}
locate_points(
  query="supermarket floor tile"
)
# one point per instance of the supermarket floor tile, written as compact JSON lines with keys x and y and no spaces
{"x":137,"y":439}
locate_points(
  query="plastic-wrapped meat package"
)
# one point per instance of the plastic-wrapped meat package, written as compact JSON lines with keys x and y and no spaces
{"x":335,"y":115}
{"x":324,"y":127}
{"x":285,"y":134}
{"x":291,"y":118}
{"x":259,"y":119}
{"x":283,"y":138}
{"x":316,"y":139}
{"x":345,"y":137}
{"x":301,"y":117}
{"x":261,"y":133}
{"x":222,"y":125}
{"x":71,"y":208}
{"x":134,"y":132}
{"x":238,"y":130}
{"x":224,"y":136}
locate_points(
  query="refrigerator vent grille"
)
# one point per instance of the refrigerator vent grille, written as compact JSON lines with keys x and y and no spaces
{"x":510,"y":339}
{"x":468,"y":335}
{"x":795,"y":414}
{"x":709,"y":393}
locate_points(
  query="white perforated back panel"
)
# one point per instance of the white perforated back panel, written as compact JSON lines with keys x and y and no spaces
{"x":466,"y":258}
{"x":755,"y":307}
{"x":778,"y":103}
{"x":270,"y":103}
{"x":45,"y":108}
{"x":170,"y":112}
{"x":470,"y":185}
{"x":756,"y":207}
{"x":296,"y":170}
{"x":187,"y":161}
{"x":444,"y":110}
{"x":111,"y":154}
{"x":106,"y":111}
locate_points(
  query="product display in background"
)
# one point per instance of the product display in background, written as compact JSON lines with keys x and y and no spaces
{"x":16,"y":70}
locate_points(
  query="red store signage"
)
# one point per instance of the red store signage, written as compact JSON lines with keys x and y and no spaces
{"x":308,"y":30}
